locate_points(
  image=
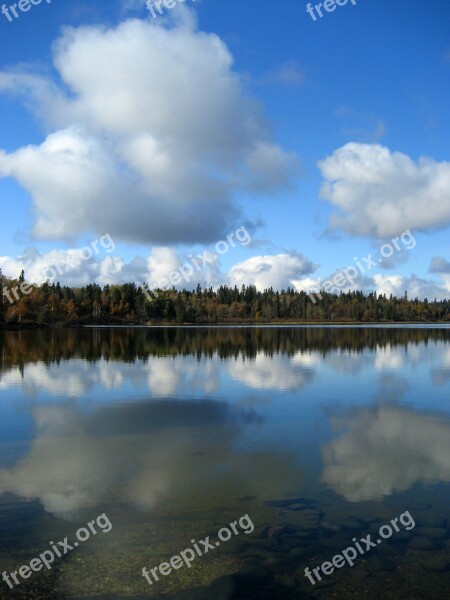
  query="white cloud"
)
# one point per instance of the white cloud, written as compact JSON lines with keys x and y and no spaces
{"x":70,"y":267}
{"x":289,"y":74}
{"x":394,"y":284}
{"x":381,"y":193}
{"x":416,"y":287}
{"x":151,"y":135}
{"x":278,"y":271}
{"x":162,"y":262}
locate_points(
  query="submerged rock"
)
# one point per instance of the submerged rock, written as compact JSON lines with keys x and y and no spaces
{"x":437,"y":563}
{"x":420,"y":506}
{"x":274,"y":532}
{"x":238,"y":586}
{"x":298,"y":506}
{"x":421,"y":543}
{"x":330,"y":526}
{"x":358,"y":574}
{"x":430,"y":521}
{"x":378,"y":563}
{"x":298,"y":552}
{"x":402,"y":537}
{"x":304,"y":520}
{"x":234,"y":547}
{"x":251,"y":586}
{"x":436,"y":533}
{"x":351,"y":523}
{"x":285,"y":502}
{"x":286,"y":580}
{"x":387,"y":550}
{"x":368,"y":518}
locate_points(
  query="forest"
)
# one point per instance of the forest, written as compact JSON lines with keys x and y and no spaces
{"x":56,"y":305}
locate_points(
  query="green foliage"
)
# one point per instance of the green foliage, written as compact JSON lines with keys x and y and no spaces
{"x":53,"y":304}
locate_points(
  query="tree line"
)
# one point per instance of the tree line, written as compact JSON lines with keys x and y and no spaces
{"x":53,"y":304}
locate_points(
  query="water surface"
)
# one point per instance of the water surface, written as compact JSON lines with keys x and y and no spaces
{"x":318,"y":434}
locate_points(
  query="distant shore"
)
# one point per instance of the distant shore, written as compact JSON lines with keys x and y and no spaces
{"x":240,"y":323}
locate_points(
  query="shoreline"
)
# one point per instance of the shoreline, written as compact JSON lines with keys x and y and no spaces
{"x":161,"y":324}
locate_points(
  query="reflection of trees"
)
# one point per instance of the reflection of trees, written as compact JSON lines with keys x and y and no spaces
{"x":18,"y":348}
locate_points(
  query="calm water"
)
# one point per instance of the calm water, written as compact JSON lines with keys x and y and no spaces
{"x":318,"y":435}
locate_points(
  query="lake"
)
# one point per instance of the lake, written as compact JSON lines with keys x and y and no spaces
{"x":225,"y":461}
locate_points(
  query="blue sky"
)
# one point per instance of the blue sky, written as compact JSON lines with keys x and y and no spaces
{"x":219,"y":115}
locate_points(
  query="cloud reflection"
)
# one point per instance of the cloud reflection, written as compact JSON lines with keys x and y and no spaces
{"x":141,"y":454}
{"x":386,"y":450}
{"x":275,"y":372}
{"x":163,"y":376}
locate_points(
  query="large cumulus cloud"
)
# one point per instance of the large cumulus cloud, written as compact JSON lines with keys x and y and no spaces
{"x":151,"y":135}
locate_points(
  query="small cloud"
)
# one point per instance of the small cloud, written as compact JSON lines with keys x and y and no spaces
{"x":342,"y":111}
{"x":361,"y":126}
{"x":439,"y":265}
{"x":289,"y":74}
{"x":132,"y":5}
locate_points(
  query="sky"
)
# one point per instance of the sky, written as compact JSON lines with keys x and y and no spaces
{"x":254,"y":141}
